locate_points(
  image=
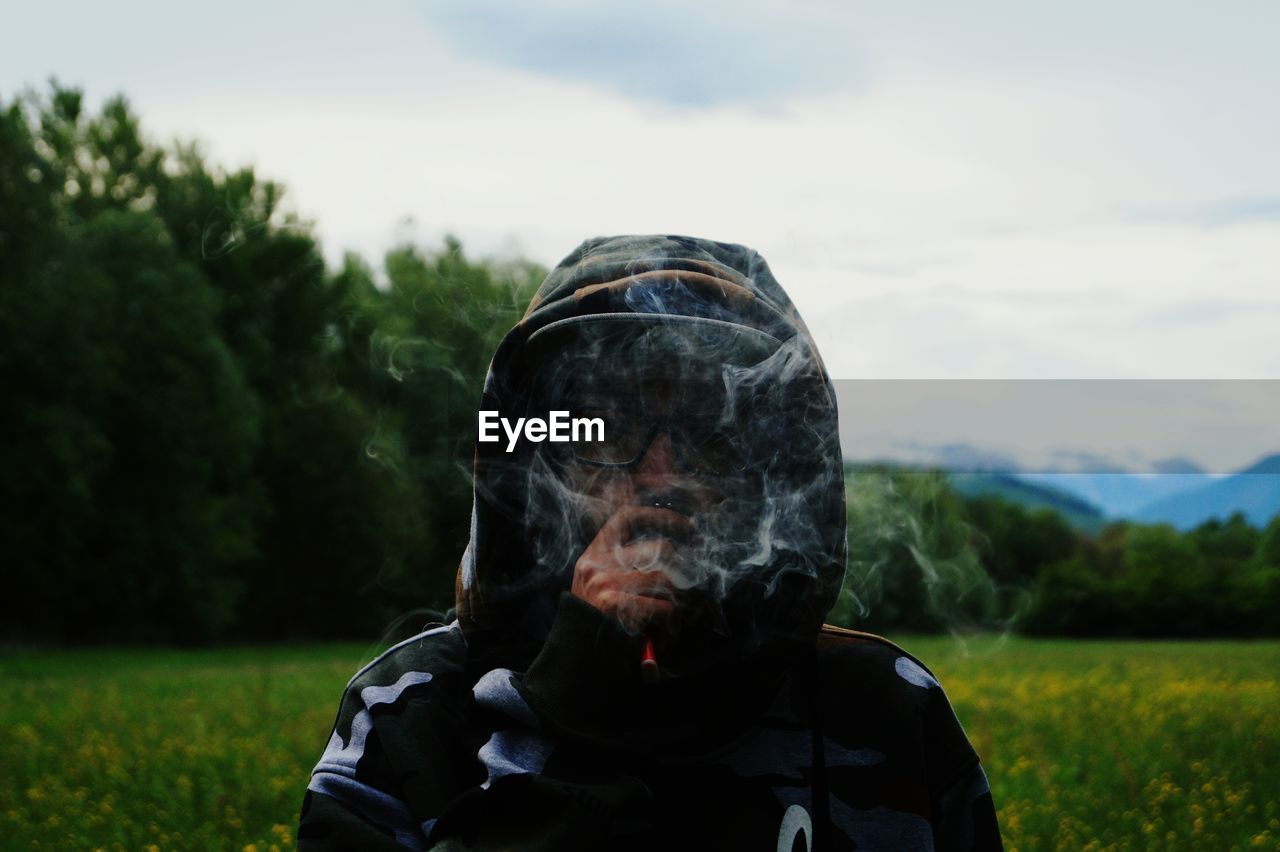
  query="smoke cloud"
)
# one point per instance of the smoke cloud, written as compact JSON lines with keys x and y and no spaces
{"x":754,"y":459}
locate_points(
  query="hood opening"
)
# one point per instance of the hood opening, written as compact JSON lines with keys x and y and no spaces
{"x":613,"y":309}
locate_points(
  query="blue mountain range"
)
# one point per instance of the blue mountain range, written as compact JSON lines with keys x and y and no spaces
{"x":1185,"y":497}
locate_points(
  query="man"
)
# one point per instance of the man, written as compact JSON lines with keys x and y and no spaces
{"x":638,"y":660}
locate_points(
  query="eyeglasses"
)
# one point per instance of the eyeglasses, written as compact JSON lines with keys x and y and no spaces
{"x":701,"y":443}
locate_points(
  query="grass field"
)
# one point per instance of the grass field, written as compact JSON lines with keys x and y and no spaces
{"x":1088,"y":745}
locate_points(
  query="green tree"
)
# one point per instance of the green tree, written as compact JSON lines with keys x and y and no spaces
{"x":1016,"y":544}
{"x":127,"y":502}
{"x":1072,"y":599}
{"x":1165,"y":589}
{"x":1226,"y":545}
{"x":1255,"y":588}
{"x":190,"y":442}
{"x":913,"y":564}
{"x":418,"y":349}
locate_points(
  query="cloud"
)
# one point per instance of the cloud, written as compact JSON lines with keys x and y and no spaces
{"x":1203,"y":312}
{"x":1216,"y":214}
{"x":995,"y":190}
{"x":681,"y":54}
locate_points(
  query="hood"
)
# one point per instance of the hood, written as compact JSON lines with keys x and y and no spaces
{"x":708,"y":302}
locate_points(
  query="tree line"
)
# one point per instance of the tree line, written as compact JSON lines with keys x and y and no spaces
{"x":209,"y":435}
{"x":923,"y":557}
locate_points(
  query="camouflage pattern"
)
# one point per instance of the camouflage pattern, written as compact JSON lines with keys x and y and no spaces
{"x":421,"y":757}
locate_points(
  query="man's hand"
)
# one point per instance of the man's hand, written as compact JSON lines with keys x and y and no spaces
{"x":622,"y":572}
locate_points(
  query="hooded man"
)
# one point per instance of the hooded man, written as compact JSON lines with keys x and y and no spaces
{"x":638,"y":659}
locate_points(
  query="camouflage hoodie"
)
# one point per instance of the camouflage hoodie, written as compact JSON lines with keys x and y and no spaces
{"x":524,"y":724}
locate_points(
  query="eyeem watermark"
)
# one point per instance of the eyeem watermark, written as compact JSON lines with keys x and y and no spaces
{"x":558,"y":428}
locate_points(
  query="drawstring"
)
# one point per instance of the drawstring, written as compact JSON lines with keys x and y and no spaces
{"x":821,"y":801}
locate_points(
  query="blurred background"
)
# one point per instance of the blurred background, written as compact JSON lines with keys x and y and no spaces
{"x":254,"y":259}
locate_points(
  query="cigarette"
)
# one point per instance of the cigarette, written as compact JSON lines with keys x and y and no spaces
{"x":649,"y":663}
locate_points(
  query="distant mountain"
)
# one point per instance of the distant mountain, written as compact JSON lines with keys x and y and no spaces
{"x":1119,"y":494}
{"x":1078,"y":512}
{"x":1178,"y":464}
{"x":1254,"y":491}
{"x":1268,"y":465}
{"x":1185,"y":496}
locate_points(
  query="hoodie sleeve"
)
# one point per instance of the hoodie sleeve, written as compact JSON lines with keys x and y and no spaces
{"x":883,"y":702}
{"x":963,"y":813}
{"x":392,"y":761}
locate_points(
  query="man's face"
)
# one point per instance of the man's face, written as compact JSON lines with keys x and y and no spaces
{"x":670,"y":479}
{"x":667,"y":444}
{"x":678,"y":520}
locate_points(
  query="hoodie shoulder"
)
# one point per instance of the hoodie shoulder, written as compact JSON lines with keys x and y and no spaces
{"x":392,"y":761}
{"x":874,"y":654}
{"x":438,"y":651}
{"x":885,"y":693}
{"x":421,"y":668}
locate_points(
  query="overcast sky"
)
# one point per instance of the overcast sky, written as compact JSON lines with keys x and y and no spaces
{"x":993,"y":189}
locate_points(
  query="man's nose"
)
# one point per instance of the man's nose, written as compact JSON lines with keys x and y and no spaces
{"x":658,"y":462}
